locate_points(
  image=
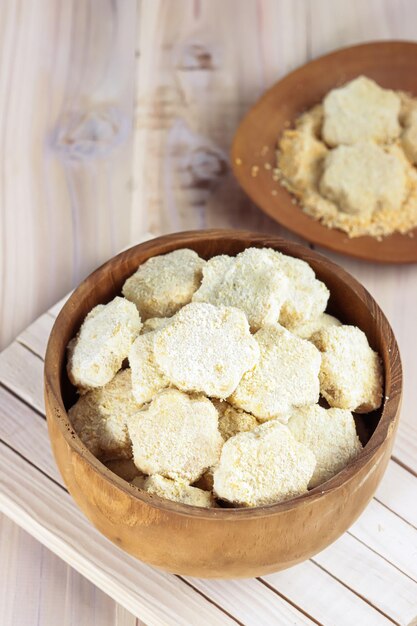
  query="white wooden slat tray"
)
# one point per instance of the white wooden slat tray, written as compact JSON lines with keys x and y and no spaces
{"x":369,"y":576}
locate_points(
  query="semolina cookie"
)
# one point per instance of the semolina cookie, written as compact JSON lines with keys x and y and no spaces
{"x":176,"y":436}
{"x":213,"y":273}
{"x":351,"y":372}
{"x":232,"y":420}
{"x":263,"y":466}
{"x":147,"y":378}
{"x":300,"y":157}
{"x":178,"y":491}
{"x":306,"y":330}
{"x":307,"y":296}
{"x":99,"y":416}
{"x":154,"y":323}
{"x":206,"y":349}
{"x":124,"y":468}
{"x":360,"y":110}
{"x":409,"y":135}
{"x":286,"y":376}
{"x":164,"y":283}
{"x":330,"y":434}
{"x":365,"y":177}
{"x":256,"y":285}
{"x":102,"y":343}
{"x":253,"y":283}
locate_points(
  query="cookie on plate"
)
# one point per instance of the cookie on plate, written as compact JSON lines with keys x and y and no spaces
{"x":361,"y":110}
{"x":365,"y":177}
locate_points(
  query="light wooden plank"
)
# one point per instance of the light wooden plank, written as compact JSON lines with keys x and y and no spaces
{"x":193,"y":85}
{"x":125,"y":618}
{"x":398,"y":491}
{"x":337,"y":24}
{"x":50,"y":515}
{"x":363,"y":571}
{"x":66,"y":106}
{"x":22,"y":372}
{"x":251,"y":602}
{"x":390,"y":536}
{"x":54,"y":310}
{"x":35,"y":336}
{"x":20,"y":571}
{"x":37,"y":588}
{"x":27,"y":433}
{"x":322,"y":596}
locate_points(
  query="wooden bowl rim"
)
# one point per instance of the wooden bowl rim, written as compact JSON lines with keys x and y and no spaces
{"x":52,"y":379}
{"x":329,"y":238}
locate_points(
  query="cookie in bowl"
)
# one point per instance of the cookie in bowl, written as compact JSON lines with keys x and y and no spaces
{"x":170,"y":497}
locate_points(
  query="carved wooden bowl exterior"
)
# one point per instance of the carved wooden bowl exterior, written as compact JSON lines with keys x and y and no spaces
{"x":220,"y":542}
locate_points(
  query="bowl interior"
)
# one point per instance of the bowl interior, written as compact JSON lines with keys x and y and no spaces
{"x":349,"y":301}
{"x":392,"y":65}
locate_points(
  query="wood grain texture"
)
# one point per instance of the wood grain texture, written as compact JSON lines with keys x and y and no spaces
{"x":66,"y":102}
{"x":184,"y":540}
{"x":48,"y":591}
{"x":42,"y":507}
{"x":194,"y":84}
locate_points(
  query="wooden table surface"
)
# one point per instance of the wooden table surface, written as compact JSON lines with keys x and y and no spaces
{"x":77,"y":184}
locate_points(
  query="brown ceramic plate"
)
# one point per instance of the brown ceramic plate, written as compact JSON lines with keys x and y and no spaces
{"x":392,"y":64}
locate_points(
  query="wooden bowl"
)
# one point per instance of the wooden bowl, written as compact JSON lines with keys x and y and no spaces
{"x":392,"y":65}
{"x":223,"y":543}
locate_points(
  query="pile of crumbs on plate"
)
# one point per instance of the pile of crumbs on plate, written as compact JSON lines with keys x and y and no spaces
{"x":204,"y":383}
{"x":351,"y":160}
